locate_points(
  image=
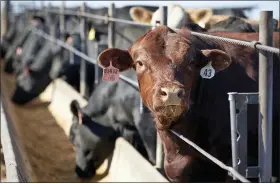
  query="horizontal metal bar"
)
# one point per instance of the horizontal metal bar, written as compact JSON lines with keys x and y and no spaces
{"x":213,"y":159}
{"x":78,"y":53}
{"x":100,"y":17}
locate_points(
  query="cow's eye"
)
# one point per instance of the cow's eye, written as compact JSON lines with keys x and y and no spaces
{"x":139,"y":63}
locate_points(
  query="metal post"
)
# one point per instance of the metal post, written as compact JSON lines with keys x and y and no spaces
{"x":100,"y":47}
{"x":34,"y":8}
{"x":52,"y":25}
{"x":233,"y":128}
{"x":47,"y":14}
{"x":5,"y":18}
{"x":163,"y":15}
{"x":1,"y":23}
{"x":265,"y":97}
{"x":62,"y":20}
{"x":83,"y":72}
{"x":111,"y":26}
{"x":42,"y":4}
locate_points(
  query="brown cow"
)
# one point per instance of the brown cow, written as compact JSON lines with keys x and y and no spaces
{"x":168,"y":65}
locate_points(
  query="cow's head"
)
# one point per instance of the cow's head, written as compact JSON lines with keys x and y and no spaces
{"x":24,"y":84}
{"x":167,"y":65}
{"x":79,"y":136}
{"x":90,"y":146}
{"x":33,"y":77}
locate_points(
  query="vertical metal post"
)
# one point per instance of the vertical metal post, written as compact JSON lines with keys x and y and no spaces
{"x":233,"y":128}
{"x":34,"y":6}
{"x":111,"y":26}
{"x":265,"y":97}
{"x":100,"y":47}
{"x":1,"y":19}
{"x":159,"y":151}
{"x":83,"y":71}
{"x":49,"y":21}
{"x":5,"y":18}
{"x":47,"y":14}
{"x":163,"y":15}
{"x":8,"y":9}
{"x":42,"y":4}
{"x":62,"y":20}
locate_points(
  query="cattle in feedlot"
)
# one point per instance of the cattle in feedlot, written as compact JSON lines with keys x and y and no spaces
{"x":170,"y":67}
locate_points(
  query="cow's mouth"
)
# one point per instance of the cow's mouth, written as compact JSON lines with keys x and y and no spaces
{"x":170,"y":111}
{"x":168,"y":114}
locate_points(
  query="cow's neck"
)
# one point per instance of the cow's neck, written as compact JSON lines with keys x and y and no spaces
{"x":186,"y":125}
{"x":178,"y":154}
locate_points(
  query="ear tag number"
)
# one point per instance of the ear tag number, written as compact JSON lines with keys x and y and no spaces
{"x":207,"y":72}
{"x":111,"y":73}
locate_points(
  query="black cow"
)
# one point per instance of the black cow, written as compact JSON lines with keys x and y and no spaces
{"x":29,"y":43}
{"x":51,"y":62}
{"x":85,"y":141}
{"x":232,"y":24}
{"x":236,"y":24}
{"x":15,"y":28}
{"x":34,"y":78}
{"x":275,"y":26}
{"x":114,"y":105}
{"x":238,"y":12}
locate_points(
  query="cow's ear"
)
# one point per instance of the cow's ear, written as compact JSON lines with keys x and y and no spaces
{"x":76,"y":110}
{"x":119,"y":58}
{"x":200,"y":16}
{"x":220,"y":59}
{"x":140,"y":14}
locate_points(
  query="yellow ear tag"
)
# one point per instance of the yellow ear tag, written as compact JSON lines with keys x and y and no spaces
{"x":91,"y":34}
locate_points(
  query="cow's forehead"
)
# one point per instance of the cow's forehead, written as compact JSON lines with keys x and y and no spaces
{"x":161,"y":41}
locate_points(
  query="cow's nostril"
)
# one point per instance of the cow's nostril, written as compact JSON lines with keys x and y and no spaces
{"x":162,"y":92}
{"x":181,"y":93}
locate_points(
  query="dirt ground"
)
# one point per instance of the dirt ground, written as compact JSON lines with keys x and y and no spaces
{"x":49,"y":151}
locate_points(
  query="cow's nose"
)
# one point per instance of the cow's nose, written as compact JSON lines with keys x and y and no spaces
{"x":172,"y":96}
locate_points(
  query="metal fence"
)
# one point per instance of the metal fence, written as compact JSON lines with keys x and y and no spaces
{"x":264,"y":45}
